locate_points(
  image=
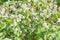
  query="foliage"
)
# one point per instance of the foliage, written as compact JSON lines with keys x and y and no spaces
{"x":29,"y":20}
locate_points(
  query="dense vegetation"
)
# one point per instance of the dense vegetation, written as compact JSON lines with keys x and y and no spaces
{"x":30,"y":20}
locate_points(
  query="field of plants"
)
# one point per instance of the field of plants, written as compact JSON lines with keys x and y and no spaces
{"x":29,"y":19}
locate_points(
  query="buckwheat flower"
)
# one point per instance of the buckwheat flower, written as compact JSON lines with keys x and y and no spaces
{"x":35,"y":17}
{"x":24,"y":21}
{"x":29,"y":0}
{"x":34,"y":14}
{"x":35,"y":1}
{"x":15,"y":23}
{"x":20,"y":31}
{"x":12,"y":16}
{"x":11,"y":25}
{"x":32,"y":9}
{"x":52,"y":1}
{"x":32,"y":29}
{"x":25,"y":7}
{"x":20,"y":15}
{"x":8,"y":0}
{"x":16,"y":29}
{"x":16,"y":16}
{"x":41,"y":14}
{"x":45,"y":25}
{"x":51,"y":7}
{"x":18,"y":19}
{"x":25,"y":30}
{"x":55,"y":7}
{"x":39,"y":3}
{"x":12,"y":7}
{"x":7,"y":39}
{"x":44,"y":10}
{"x":23,"y":17}
{"x":58,"y":20}
{"x":47,"y":7}
{"x":29,"y":5}
{"x":44,"y":1}
{"x":54,"y":27}
{"x":3,"y":11}
{"x":23,"y":35}
{"x":29,"y":20}
{"x":48,"y":15}
{"x":6,"y":15}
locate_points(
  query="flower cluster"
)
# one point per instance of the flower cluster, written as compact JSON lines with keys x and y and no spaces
{"x":29,"y":20}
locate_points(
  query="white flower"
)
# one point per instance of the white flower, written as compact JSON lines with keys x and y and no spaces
{"x":39,"y":3}
{"x":34,"y":14}
{"x":25,"y":6}
{"x":48,"y":15}
{"x":32,"y":9}
{"x":29,"y":0}
{"x":18,"y":19}
{"x":29,"y":20}
{"x":44,"y":10}
{"x":47,"y":7}
{"x":45,"y":25}
{"x":3,"y":11}
{"x":20,"y":15}
{"x":52,"y":0}
{"x":23,"y":35}
{"x":16,"y":29}
{"x":44,"y":1}
{"x":55,"y":7}
{"x":8,"y":0}
{"x":20,"y":31}
{"x":23,"y":17}
{"x":6,"y":15}
{"x":41,"y":14}
{"x":25,"y":30}
{"x":29,"y":4}
{"x":32,"y":29}
{"x":12,"y":7}
{"x":7,"y":39}
{"x":54,"y":27}
{"x":12,"y":16}
{"x":16,"y":16}
{"x":15,"y":23}
{"x":58,"y":20}
{"x":35,"y":1}
{"x":11,"y":25}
